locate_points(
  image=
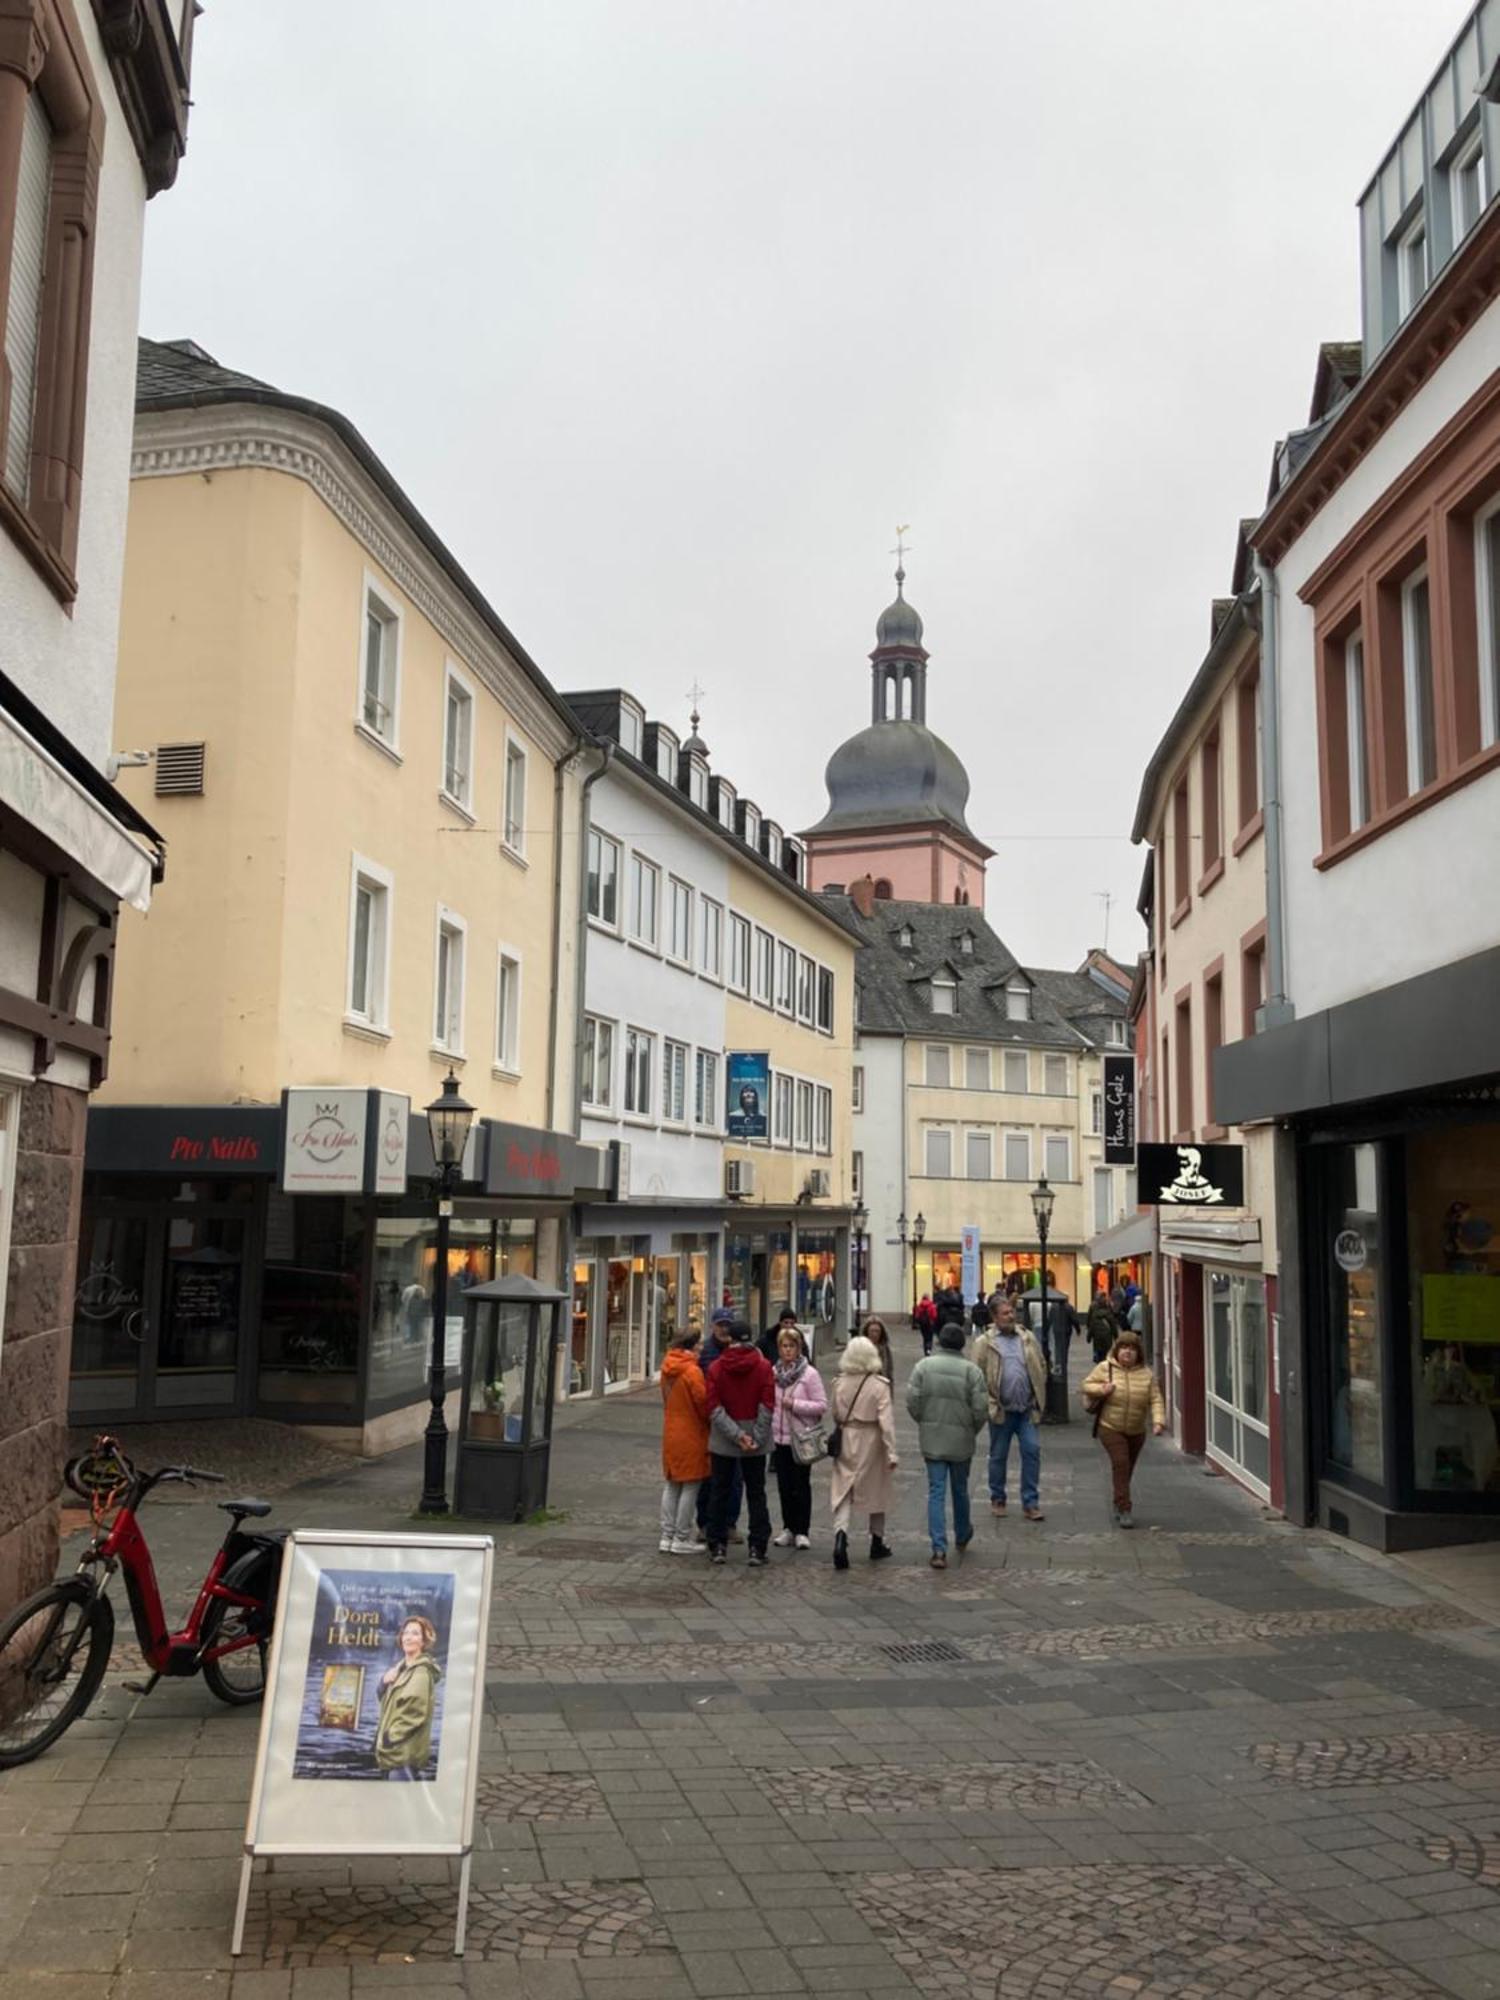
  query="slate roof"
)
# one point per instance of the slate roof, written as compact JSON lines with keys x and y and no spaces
{"x":1068,"y":1008}
{"x":174,"y":370}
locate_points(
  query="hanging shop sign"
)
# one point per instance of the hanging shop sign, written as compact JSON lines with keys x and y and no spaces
{"x":1191,"y":1176}
{"x":1119,"y":1111}
{"x":191,"y":1140}
{"x":748,"y":1093}
{"x":525,"y":1160}
{"x":323,"y":1140}
{"x":369,"y":1737}
{"x":969,"y":1265}
{"x":390,"y":1123}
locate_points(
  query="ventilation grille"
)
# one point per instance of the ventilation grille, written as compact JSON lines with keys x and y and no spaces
{"x":923,"y":1652}
{"x":179,"y":770}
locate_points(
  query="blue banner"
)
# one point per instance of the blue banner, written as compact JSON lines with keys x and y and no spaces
{"x":748,"y":1094}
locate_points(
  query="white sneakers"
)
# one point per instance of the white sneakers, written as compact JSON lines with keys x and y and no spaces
{"x":803,"y":1542}
{"x":784,"y":1539}
{"x":684,"y":1545}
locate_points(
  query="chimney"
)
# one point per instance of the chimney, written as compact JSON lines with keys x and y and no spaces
{"x":862,"y":895}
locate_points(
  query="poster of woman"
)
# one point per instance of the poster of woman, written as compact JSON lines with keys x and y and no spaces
{"x":372,"y":1701}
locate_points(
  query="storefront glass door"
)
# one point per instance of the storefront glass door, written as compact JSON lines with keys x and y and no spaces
{"x":1239,"y":1409}
{"x":198,"y":1340}
{"x":112,"y":1314}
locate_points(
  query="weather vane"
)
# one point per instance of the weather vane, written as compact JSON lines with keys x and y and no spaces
{"x":695,"y":696}
{"x":903,"y":528}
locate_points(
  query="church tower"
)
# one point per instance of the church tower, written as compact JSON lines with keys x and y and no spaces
{"x":897,"y":795}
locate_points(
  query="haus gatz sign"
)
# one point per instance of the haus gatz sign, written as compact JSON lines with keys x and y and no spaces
{"x":1191,"y":1176}
{"x":1119,"y":1111}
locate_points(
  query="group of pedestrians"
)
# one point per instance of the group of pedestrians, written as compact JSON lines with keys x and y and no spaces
{"x":730,"y":1405}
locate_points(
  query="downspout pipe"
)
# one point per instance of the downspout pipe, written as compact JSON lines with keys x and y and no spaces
{"x":1278,"y":1008}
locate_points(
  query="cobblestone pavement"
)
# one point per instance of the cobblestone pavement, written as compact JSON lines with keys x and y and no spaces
{"x":1216,"y":1757}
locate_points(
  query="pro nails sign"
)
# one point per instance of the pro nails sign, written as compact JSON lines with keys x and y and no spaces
{"x":343,"y":1141}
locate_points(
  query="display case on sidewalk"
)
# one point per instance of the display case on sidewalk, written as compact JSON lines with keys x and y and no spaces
{"x":511,"y":1329}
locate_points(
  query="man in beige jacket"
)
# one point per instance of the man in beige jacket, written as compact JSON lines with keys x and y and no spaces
{"x":1015,"y":1379}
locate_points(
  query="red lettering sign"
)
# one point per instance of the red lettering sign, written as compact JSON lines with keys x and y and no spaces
{"x":242,"y":1150}
{"x":537,"y":1165}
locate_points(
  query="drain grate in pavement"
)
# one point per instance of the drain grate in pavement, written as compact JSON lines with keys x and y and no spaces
{"x":919,"y":1652}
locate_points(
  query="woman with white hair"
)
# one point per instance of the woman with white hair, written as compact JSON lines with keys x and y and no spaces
{"x":867,"y":1457}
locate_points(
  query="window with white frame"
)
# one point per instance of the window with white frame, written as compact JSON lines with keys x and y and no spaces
{"x":1104,"y":1197}
{"x":976,"y":1069}
{"x":679,"y":921}
{"x":1468,"y":188}
{"x":822,"y":1119}
{"x":698,"y":784}
{"x":640,"y":1067}
{"x":666,"y":755}
{"x":515,"y":796}
{"x":825,"y":1001}
{"x":765,"y":967}
{"x":380,"y":666}
{"x":739,"y":952}
{"x":645,"y":888}
{"x":448,"y":984}
{"x":804,"y":1132}
{"x":937,"y":1153}
{"x":706,"y":1089}
{"x":368,"y":997}
{"x":1416,"y":667}
{"x":936,"y":1070}
{"x":1411,"y":264}
{"x":604,"y":878}
{"x":752,"y":828}
{"x":632,"y":728}
{"x":674,"y":1069}
{"x":1487,"y":585}
{"x":1115,"y":1032}
{"x":1354,"y":719}
{"x":710,"y":937}
{"x":979,"y":1154}
{"x":508,"y":1013}
{"x":1057,"y":1156}
{"x":944,"y":996}
{"x":857,"y":1176}
{"x":773,"y":846}
{"x":726,"y":805}
{"x":1014,"y":1067}
{"x":786,"y":978}
{"x":1055,"y":1075}
{"x":806,"y":984}
{"x":458,"y":740}
{"x":781,"y":1100}
{"x":598,"y":1062}
{"x":857,"y":1088}
{"x":1096,"y":1112}
{"x":1018,"y":1156}
{"x":1017,"y":1001}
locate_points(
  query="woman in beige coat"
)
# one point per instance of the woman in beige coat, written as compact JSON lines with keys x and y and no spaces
{"x":862,"y":1471}
{"x":1126,"y":1401}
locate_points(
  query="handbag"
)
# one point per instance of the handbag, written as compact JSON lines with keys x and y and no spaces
{"x":834,"y":1443}
{"x":1098,"y":1405}
{"x":811,"y":1443}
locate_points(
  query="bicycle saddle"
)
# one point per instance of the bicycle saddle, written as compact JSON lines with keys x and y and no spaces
{"x":240,"y":1508}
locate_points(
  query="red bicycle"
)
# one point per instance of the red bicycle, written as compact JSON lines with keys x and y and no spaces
{"x":55,"y":1647}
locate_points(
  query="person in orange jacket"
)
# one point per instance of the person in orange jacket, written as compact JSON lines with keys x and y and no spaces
{"x":684,"y":1443}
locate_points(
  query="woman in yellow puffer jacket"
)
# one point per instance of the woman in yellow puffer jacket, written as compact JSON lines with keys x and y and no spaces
{"x":1123,"y":1393}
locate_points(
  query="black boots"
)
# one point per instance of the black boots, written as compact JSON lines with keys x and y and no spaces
{"x":841,"y":1550}
{"x":879,"y":1549}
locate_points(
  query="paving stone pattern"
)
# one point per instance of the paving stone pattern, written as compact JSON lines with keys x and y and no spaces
{"x":1213,"y":1757}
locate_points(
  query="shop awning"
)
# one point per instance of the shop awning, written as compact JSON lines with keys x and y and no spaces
{"x":36,"y":787}
{"x":1212,"y":1241}
{"x":1135,"y":1236}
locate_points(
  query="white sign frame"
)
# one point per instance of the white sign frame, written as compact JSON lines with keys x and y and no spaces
{"x":343,"y":1113}
{"x":391,"y":1119}
{"x":278,"y":1822}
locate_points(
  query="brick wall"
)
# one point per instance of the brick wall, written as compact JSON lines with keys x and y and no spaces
{"x":38,"y":1333}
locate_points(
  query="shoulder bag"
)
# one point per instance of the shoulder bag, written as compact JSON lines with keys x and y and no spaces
{"x":1100,"y":1401}
{"x":834,"y":1443}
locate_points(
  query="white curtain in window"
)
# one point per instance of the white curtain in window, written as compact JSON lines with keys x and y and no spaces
{"x":23,"y":319}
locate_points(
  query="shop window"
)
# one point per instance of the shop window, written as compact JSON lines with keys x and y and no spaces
{"x":1356,"y":1398}
{"x":308,"y":1352}
{"x":401,"y":1328}
{"x":625,"y":1315}
{"x":937,"y":1154}
{"x":936,"y":1071}
{"x":603,"y":878}
{"x":817,"y":1297}
{"x":1238,"y":1386}
{"x":1453,"y":1254}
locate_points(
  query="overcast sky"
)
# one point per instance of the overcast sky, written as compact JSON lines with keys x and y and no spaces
{"x":665,"y":312}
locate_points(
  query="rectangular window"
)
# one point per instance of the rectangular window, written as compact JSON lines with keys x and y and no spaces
{"x":1057,"y":1157}
{"x":857,"y":1176}
{"x":1247,"y":730}
{"x":458,"y":741}
{"x":1184,"y":1053}
{"x":773,"y":844}
{"x":28,"y":269}
{"x":1104,"y":1197}
{"x":380,"y":667}
{"x":632,"y":729}
{"x":752,"y":828}
{"x":698,"y":785}
{"x":825,"y":1001}
{"x":1416,"y":668}
{"x":604,"y":878}
{"x":936,"y":1071}
{"x":1467,"y":188}
{"x":666,"y":755}
{"x":739,"y":953}
{"x":645,"y":885}
{"x":1014,"y":1066}
{"x":1252,"y":985}
{"x":706,"y":1089}
{"x":1411,"y":265}
{"x":944,"y":997}
{"x":1096,"y":1112}
{"x":448,"y":985}
{"x":1018,"y":1156}
{"x":858,"y":1088}
{"x":1017,"y":1003}
{"x":1487,"y":584}
{"x":508,"y":1013}
{"x":804,"y":1135}
{"x":680,"y":922}
{"x":640,"y":1065}
{"x":1055,"y":1075}
{"x":978,"y":1155}
{"x":710,"y":937}
{"x":765,"y":967}
{"x":674,"y":1068}
{"x":823,"y":1119}
{"x":369,"y":944}
{"x":786,"y":978}
{"x":781,"y":1098}
{"x":1354,"y":719}
{"x":598,"y":1062}
{"x":1213,"y":841}
{"x":976,"y":1069}
{"x":1181,"y":848}
{"x":806,"y":984}
{"x":515,"y":796}
{"x":1213,"y":1037}
{"x":938,"y":1161}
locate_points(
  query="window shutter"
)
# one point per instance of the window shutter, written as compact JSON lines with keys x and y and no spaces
{"x":179,"y":770}
{"x":23,"y":318}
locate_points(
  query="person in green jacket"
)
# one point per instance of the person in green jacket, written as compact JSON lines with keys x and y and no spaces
{"x":408,"y":1701}
{"x":947,"y":1397}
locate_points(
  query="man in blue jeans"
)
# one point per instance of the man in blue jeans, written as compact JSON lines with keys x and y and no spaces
{"x":946,"y":1395}
{"x":1015,"y":1380}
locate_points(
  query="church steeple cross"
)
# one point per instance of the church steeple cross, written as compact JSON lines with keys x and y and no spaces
{"x":899,"y":552}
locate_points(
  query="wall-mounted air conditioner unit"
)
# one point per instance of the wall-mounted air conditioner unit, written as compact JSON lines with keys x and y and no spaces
{"x":739,"y":1177}
{"x":819,"y":1184}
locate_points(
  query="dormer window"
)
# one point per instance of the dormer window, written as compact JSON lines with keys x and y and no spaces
{"x":666,"y":756}
{"x":1469,"y":191}
{"x":1018,"y":1001}
{"x":1411,"y":264}
{"x":698,"y":784}
{"x":1116,"y":1034}
{"x":904,"y":938}
{"x":773,"y":843}
{"x":726,"y":805}
{"x":944,"y":994}
{"x":966,"y":944}
{"x":752,"y":827}
{"x":632,"y":728}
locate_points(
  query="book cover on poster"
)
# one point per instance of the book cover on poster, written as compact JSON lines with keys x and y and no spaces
{"x":372,"y":1699}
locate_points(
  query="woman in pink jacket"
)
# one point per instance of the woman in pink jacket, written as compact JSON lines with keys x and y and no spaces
{"x":800,"y":1400}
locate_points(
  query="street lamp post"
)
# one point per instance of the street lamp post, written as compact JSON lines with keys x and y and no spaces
{"x":859,"y":1217}
{"x":918,"y":1231}
{"x":1042,"y":1198}
{"x":448,"y":1122}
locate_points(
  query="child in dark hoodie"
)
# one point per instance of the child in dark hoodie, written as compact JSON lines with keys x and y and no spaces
{"x":741,"y":1397}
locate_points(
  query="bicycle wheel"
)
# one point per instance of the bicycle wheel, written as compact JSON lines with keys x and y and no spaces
{"x":53,"y":1652}
{"x":239,"y":1678}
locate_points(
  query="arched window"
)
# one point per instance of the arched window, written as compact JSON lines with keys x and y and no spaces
{"x":882,"y":890}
